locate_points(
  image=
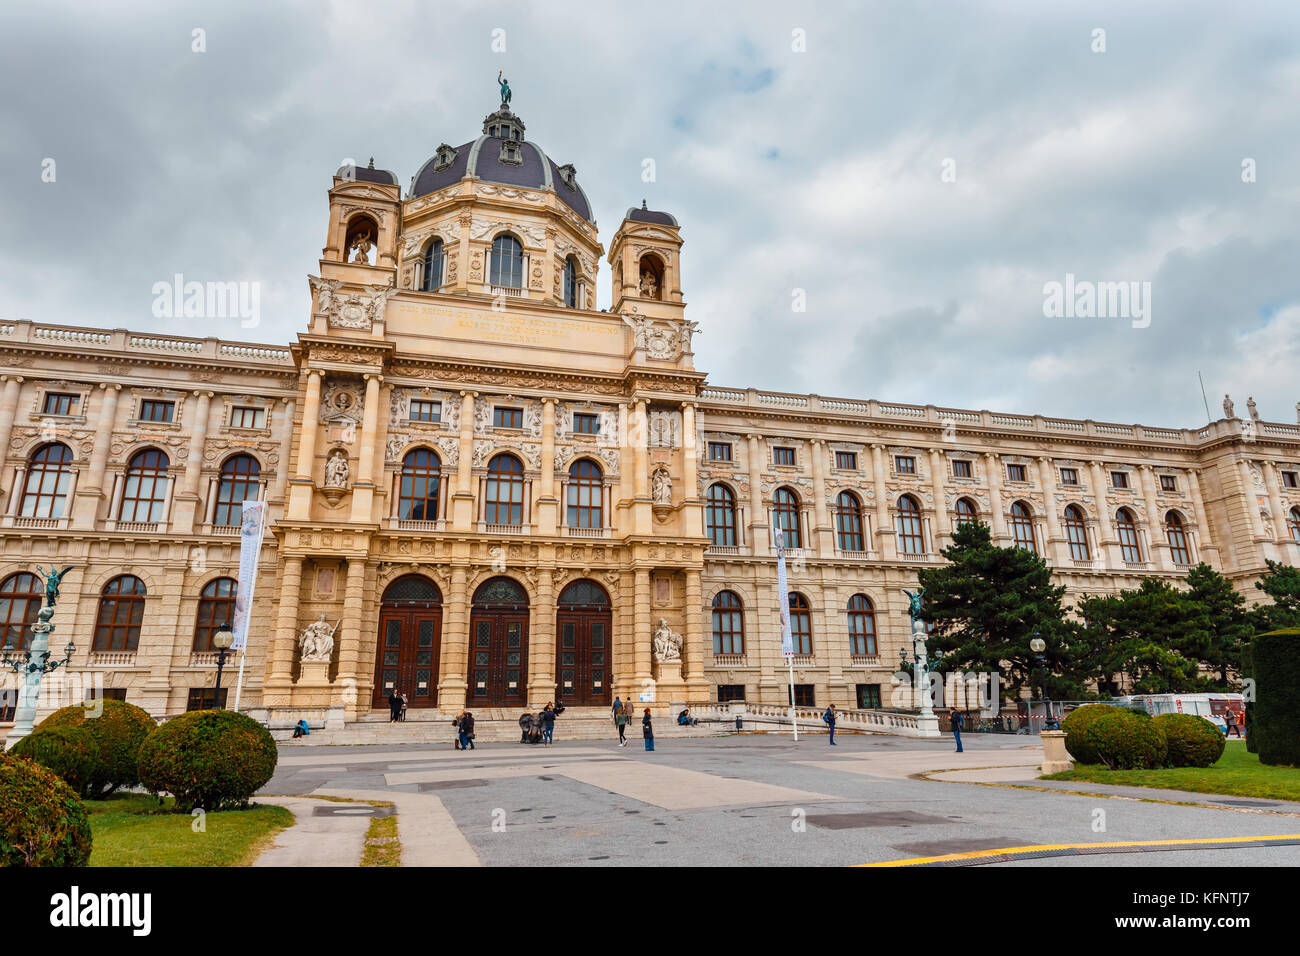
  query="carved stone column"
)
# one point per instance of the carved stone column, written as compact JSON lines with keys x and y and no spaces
{"x":363,"y":489}
{"x":1156,"y":542}
{"x":1273,"y":483}
{"x":349,"y":641}
{"x":1208,"y":548}
{"x":760,"y":539}
{"x":279,"y":664}
{"x":886,"y":546}
{"x":541,"y":643}
{"x":86,"y":505}
{"x":453,"y":666}
{"x":993,"y":466}
{"x":186,"y":503}
{"x":1109,"y":547}
{"x":462,"y":510}
{"x":692,"y":509}
{"x":302,"y":485}
{"x":547,"y":504}
{"x":942,"y":521}
{"x":694,"y":649}
{"x":641,"y":481}
{"x":286,"y":451}
{"x":1056,"y":546}
{"x":641,"y":628}
{"x":821,"y":514}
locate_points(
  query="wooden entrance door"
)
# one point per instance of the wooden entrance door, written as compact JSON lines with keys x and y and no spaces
{"x":409,"y":645}
{"x":582,"y":657}
{"x":499,"y":658}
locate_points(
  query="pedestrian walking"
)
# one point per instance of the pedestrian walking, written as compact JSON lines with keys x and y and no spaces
{"x":1230,"y":719}
{"x":467,"y":731}
{"x":401,"y":714}
{"x":394,"y":705}
{"x":620,"y":721}
{"x":648,"y":730}
{"x":958,"y":721}
{"x":548,"y":723}
{"x":829,"y":717}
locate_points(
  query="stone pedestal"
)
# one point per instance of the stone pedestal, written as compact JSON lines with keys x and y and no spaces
{"x":669,"y":685}
{"x":313,"y":688}
{"x":1055,"y":757}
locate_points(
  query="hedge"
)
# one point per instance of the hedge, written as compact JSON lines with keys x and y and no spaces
{"x":70,"y":752}
{"x":1193,"y":741}
{"x":1275,"y":712}
{"x":118,"y":729}
{"x":1126,"y":740}
{"x":214,"y":759}
{"x":1076,"y":724}
{"x":42,"y":823}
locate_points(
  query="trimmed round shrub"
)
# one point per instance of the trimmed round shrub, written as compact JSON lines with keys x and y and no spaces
{"x":42,"y":823}
{"x":1275,"y":711}
{"x":1076,"y":724}
{"x":118,"y":729}
{"x":70,"y":752}
{"x":213,"y":759}
{"x":1123,"y":740}
{"x":1193,"y":741}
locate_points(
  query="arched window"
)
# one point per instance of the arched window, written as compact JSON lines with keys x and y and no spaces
{"x":800,"y":623}
{"x":967,"y":513}
{"x":862,"y":626}
{"x":720,"y":514}
{"x":1294,"y":522}
{"x":1076,"y":532}
{"x":785,"y":515}
{"x":911,"y":536}
{"x":431,"y":281}
{"x":728,"y":624}
{"x":216,"y":608}
{"x":650,"y":278}
{"x":1022,"y":527}
{"x":570,"y":283}
{"x":504,"y":498}
{"x":49,"y":475}
{"x":239,"y":483}
{"x":419,"y":485}
{"x":1177,"y":535}
{"x":121,"y":611}
{"x":848,"y":522}
{"x":362,"y":234}
{"x":584,"y":494}
{"x":1126,"y":531}
{"x":146,"y":487}
{"x":507,"y":263}
{"x":20,"y":598}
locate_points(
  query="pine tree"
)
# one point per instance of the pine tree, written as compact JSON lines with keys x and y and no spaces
{"x":1219,"y":615}
{"x":1147,"y":634}
{"x":1281,"y":583}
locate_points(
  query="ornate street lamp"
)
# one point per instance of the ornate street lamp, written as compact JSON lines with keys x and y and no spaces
{"x":221,"y":641}
{"x":33,"y":665}
{"x":1038,"y":646}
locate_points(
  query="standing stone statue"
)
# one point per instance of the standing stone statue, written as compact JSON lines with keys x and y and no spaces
{"x":336,"y":470}
{"x":1228,"y":408}
{"x":1254,"y":412}
{"x":317,"y":641}
{"x":663,"y":488}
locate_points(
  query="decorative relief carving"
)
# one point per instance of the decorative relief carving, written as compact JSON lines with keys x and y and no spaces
{"x":350,"y":310}
{"x":341,"y":402}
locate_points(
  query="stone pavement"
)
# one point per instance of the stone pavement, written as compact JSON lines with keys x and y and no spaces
{"x":333,"y":838}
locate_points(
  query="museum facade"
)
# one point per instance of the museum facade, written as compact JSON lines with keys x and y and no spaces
{"x":485,"y":492}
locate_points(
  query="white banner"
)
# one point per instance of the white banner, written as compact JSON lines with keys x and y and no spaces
{"x":783,"y":593}
{"x":252,"y":523}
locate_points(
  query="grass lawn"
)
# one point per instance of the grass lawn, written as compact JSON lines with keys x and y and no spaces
{"x":129,"y":831}
{"x":1238,"y":773}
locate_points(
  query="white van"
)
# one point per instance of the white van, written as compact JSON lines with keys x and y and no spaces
{"x":1210,"y":706}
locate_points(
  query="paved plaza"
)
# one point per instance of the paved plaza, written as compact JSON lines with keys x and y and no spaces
{"x":760,"y":800}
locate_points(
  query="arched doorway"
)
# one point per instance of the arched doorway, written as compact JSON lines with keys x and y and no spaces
{"x":582,"y":653}
{"x":410,"y":639}
{"x":498,"y":672}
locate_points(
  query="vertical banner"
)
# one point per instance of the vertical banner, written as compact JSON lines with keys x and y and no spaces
{"x":252,"y":523}
{"x":783,"y":596}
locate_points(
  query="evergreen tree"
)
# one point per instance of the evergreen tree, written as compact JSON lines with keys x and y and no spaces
{"x":1282,"y":584}
{"x":1149,"y":635}
{"x":1220,"y":624}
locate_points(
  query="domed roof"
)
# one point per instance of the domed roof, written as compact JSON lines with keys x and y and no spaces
{"x":501,"y":155}
{"x":651,"y":215}
{"x":367,"y":174}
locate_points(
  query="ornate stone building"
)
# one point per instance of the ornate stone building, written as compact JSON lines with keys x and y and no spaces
{"x":496,"y":495}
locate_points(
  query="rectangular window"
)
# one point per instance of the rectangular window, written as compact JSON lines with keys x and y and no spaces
{"x":905,"y":464}
{"x":508,"y":417}
{"x":105,"y":693}
{"x":1119,"y":479}
{"x":1291,"y":479}
{"x":152,"y":410}
{"x":846,"y":460}
{"x":719,"y":451}
{"x":1016,"y":473}
{"x":730,"y":692}
{"x":868,"y":696}
{"x":205,"y":698}
{"x":60,"y":403}
{"x":1168,"y":483}
{"x":242,"y":417}
{"x":960,"y":469}
{"x":783,"y":456}
{"x":424,"y":410}
{"x":584,"y":424}
{"x":803,"y":695}
{"x":1069,"y":476}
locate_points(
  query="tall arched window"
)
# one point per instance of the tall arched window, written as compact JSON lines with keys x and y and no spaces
{"x":121,"y":611}
{"x":584,"y":494}
{"x":49,"y":475}
{"x":1294,"y":522}
{"x":862,"y":626}
{"x":216,"y":608}
{"x":911,"y":535}
{"x":1126,"y":531}
{"x":800,"y":623}
{"x":20,"y":598}
{"x":1076,"y":532}
{"x":504,"y":498}
{"x":146,"y":487}
{"x":1177,"y":535}
{"x":1022,"y":527}
{"x":728,"y":624}
{"x":720,"y":515}
{"x":239,"y":483}
{"x":848,"y":522}
{"x":570,"y":283}
{"x":507,"y":263}
{"x":785,"y":515}
{"x":431,"y":281}
{"x":967,"y":513}
{"x":419,"y":486}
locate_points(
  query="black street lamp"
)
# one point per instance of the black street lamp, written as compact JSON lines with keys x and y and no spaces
{"x":221,"y":641}
{"x":1038,"y":646}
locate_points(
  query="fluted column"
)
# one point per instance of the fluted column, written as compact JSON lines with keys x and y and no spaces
{"x":363,"y":489}
{"x":547,"y":504}
{"x":1156,"y":542}
{"x":302,"y":484}
{"x":279,"y":665}
{"x":1208,"y":548}
{"x":760,"y":540}
{"x":942,"y":520}
{"x":821,"y":514}
{"x":463,"y":499}
{"x":692,"y":510}
{"x":993,"y":465}
{"x":886,"y":544}
{"x":86,"y":503}
{"x":1055,"y":538}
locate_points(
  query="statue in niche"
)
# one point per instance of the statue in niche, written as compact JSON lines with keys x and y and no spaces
{"x":360,"y":249}
{"x":667,"y":643}
{"x":317,"y":641}
{"x":662,"y":487}
{"x":336,"y":470}
{"x":649,"y":287}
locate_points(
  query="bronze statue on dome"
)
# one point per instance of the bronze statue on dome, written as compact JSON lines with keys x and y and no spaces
{"x":505,"y":88}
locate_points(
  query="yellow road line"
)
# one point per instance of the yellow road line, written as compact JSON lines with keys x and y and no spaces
{"x":1059,"y":847}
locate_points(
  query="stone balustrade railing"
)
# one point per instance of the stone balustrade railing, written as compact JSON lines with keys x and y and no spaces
{"x":120,"y":340}
{"x":777,"y":716}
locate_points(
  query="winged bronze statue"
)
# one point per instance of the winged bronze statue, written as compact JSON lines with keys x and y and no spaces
{"x":52,"y":580}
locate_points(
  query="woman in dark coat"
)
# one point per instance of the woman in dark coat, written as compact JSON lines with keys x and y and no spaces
{"x":648,"y":731}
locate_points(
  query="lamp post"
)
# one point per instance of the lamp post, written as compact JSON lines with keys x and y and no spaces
{"x":221,"y":641}
{"x":34,"y":664}
{"x":1038,"y":646}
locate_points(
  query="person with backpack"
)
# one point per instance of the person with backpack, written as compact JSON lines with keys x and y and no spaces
{"x":958,"y":721}
{"x":829,"y":717}
{"x":620,"y":721}
{"x":647,"y":731}
{"x":548,"y":724}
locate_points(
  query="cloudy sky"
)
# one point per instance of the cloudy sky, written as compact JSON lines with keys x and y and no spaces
{"x":919,"y":170}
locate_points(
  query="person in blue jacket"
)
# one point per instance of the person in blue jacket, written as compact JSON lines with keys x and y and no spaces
{"x":958,"y":721}
{"x":829,"y":717}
